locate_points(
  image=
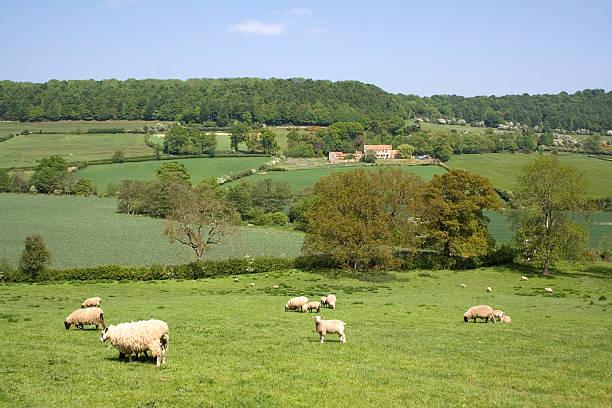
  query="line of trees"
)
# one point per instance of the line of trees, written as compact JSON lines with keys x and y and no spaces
{"x":220,"y":102}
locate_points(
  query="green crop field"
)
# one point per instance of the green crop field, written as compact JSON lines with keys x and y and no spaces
{"x":298,"y":179}
{"x":232,"y":345}
{"x":198,"y":169}
{"x":503,"y":168}
{"x":82,"y":232}
{"x":72,"y":126}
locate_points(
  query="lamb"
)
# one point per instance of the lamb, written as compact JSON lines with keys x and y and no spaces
{"x":311,"y":306}
{"x":506,"y":319}
{"x":523,"y":278}
{"x":330,"y":300}
{"x":235,"y":280}
{"x":139,"y":337}
{"x":296,"y":303}
{"x":275,"y":287}
{"x":489,"y":289}
{"x":463,"y":285}
{"x":81,"y":317}
{"x":498,"y":314}
{"x":252,"y":284}
{"x":95,"y":301}
{"x":329,"y":326}
{"x":480,"y":312}
{"x":548,"y":290}
{"x":323,"y":300}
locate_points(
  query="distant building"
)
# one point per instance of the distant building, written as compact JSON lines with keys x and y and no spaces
{"x":382,"y":151}
{"x":337,"y":157}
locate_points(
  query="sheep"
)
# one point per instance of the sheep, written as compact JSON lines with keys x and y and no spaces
{"x":506,"y":319}
{"x":549,"y":290}
{"x":524,"y":278}
{"x":235,"y":280}
{"x":330,"y":300}
{"x":266,"y":275}
{"x":463,"y":285}
{"x":95,"y":301}
{"x":489,"y":289}
{"x":329,"y":326}
{"x":311,"y":306}
{"x":323,"y":301}
{"x":296,"y":303}
{"x":252,"y":284}
{"x":139,"y":337}
{"x":480,"y":312}
{"x":275,"y":287}
{"x":80,"y":317}
{"x":498,"y":314}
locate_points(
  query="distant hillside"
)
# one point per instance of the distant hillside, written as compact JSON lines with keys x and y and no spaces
{"x":282,"y":101}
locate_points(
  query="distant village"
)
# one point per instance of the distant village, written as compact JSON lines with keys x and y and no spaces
{"x":383,"y":152}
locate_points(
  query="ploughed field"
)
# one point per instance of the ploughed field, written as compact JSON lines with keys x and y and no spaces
{"x":234,"y":345}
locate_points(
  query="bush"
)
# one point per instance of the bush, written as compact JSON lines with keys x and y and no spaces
{"x":277,"y":218}
{"x":34,"y":257}
{"x":84,"y":187}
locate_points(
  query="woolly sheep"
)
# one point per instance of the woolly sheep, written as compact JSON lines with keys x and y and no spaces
{"x":296,"y":303}
{"x":498,"y":314}
{"x":506,"y":319}
{"x":329,"y":326}
{"x":463,"y":285}
{"x":139,"y":337}
{"x":488,"y":289}
{"x":323,"y":301}
{"x":330,"y":300}
{"x":480,"y":312}
{"x":236,"y":280}
{"x":524,"y":278}
{"x":252,"y":284}
{"x":549,"y":290}
{"x":95,"y":301}
{"x":80,"y":317}
{"x":275,"y":287}
{"x":311,"y":306}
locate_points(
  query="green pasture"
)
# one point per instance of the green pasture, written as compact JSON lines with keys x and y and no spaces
{"x":25,"y":150}
{"x":503,"y":168}
{"x":298,"y":179}
{"x":198,"y":169}
{"x":71,"y":126}
{"x":81,"y":232}
{"x":436,"y":127}
{"x":232,"y":345}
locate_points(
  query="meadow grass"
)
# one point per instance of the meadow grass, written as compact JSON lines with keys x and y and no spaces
{"x":25,"y":150}
{"x":71,"y":126}
{"x":81,"y":232}
{"x":407,"y":344}
{"x":503,"y":168}
{"x":198,"y":169}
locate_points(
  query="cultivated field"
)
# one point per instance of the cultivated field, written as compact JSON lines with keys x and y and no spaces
{"x":72,"y":126}
{"x":503,"y":168}
{"x":81,"y":232}
{"x":407,"y":344}
{"x":198,"y":169}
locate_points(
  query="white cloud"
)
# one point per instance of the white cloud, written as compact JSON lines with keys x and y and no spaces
{"x":301,"y":11}
{"x":258,"y":27}
{"x":317,"y":30}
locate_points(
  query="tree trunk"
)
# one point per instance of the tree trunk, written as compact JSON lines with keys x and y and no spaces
{"x":546,"y":271}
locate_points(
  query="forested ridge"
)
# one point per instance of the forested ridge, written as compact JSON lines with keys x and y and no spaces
{"x":218,"y":102}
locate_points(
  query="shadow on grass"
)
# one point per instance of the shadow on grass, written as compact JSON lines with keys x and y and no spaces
{"x":599,"y":271}
{"x":363,"y":276}
{"x":125,"y":360}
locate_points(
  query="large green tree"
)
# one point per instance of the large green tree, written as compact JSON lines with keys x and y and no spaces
{"x":239,"y":132}
{"x":550,"y":195}
{"x":453,"y":213}
{"x":51,"y":174}
{"x":35,"y":256}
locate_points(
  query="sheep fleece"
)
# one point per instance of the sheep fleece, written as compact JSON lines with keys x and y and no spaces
{"x":85,"y":316}
{"x":138,"y":337}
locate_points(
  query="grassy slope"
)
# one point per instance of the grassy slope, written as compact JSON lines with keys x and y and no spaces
{"x":503,"y":168}
{"x":72,"y":125}
{"x":231,"y":345}
{"x":82,"y":232}
{"x":102,"y":175}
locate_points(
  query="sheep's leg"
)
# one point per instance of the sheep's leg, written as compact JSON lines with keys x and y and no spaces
{"x":158,"y":360}
{"x":322,"y":337}
{"x":97,"y":326}
{"x":130,"y":357}
{"x":474,"y":320}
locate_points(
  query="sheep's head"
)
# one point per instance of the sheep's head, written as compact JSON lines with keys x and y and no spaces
{"x":104,"y":336}
{"x":67,"y":325}
{"x":465,"y":318}
{"x":83,"y":305}
{"x":305,"y":307}
{"x":317,"y":319}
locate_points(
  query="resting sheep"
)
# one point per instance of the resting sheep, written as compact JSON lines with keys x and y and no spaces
{"x":95,"y":301}
{"x":80,"y":317}
{"x":296,"y":303}
{"x":506,"y":319}
{"x":311,"y":306}
{"x":330,"y":300}
{"x":329,"y":326}
{"x":498,"y":314}
{"x":548,"y":290}
{"x":139,"y":337}
{"x":480,"y":312}
{"x":463,"y":285}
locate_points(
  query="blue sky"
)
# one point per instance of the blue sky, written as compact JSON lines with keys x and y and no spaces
{"x":413,"y":47}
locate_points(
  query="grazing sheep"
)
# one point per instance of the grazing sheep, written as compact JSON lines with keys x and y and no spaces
{"x":524,"y":278}
{"x":506,"y":319}
{"x":498,"y":314}
{"x":296,"y":303}
{"x":549,"y":290}
{"x":329,"y":326}
{"x":463,"y":285}
{"x":235,"y":280}
{"x":323,"y":301}
{"x":95,"y":301}
{"x":480,"y":312}
{"x":252,"y":284}
{"x":489,"y":289}
{"x":330,"y":300}
{"x":275,"y":287}
{"x":266,"y":275}
{"x":139,"y":337}
{"x":311,"y":306}
{"x":81,"y":317}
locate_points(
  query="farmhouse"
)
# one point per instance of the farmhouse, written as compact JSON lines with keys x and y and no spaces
{"x":337,"y":157}
{"x":382,"y":151}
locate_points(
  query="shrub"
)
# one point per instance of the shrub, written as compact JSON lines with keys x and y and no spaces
{"x":84,"y":187}
{"x":34,"y":257}
{"x":277,"y":218}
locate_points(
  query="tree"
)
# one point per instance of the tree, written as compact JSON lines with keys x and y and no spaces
{"x":5,"y":181}
{"x":199,"y":220}
{"x":239,"y":134}
{"x":118,"y":157}
{"x":51,"y":174}
{"x":34,"y":256}
{"x":544,"y":231}
{"x":271,"y":195}
{"x":268,"y":141}
{"x":370,"y":156}
{"x":405,"y":151}
{"x":593,"y":143}
{"x":453,"y":213}
{"x":240,"y":196}
{"x":175,"y":171}
{"x":443,"y":151}
{"x":132,"y":196}
{"x":84,"y":187}
{"x":19,"y":182}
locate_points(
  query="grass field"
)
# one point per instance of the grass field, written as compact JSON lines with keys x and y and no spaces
{"x":71,"y":126}
{"x":298,"y":179}
{"x":81,"y":232}
{"x":503,"y":168}
{"x":198,"y":169}
{"x":235,"y":346}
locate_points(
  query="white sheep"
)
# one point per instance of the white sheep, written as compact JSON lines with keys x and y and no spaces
{"x":498,"y":314}
{"x":489,"y":289}
{"x":323,"y":301}
{"x":252,"y":284}
{"x":549,"y":290}
{"x":81,"y":317}
{"x":235,"y":280}
{"x":95,"y":301}
{"x":506,"y":319}
{"x":296,"y":303}
{"x":139,"y":337}
{"x":275,"y":287}
{"x":329,"y":326}
{"x":311,"y":306}
{"x":330,"y":301}
{"x":524,"y":278}
{"x":463,"y":285}
{"x":480,"y":312}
